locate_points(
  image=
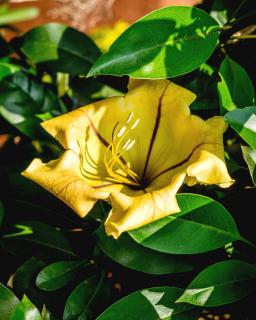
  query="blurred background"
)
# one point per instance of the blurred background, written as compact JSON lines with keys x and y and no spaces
{"x":87,"y":14}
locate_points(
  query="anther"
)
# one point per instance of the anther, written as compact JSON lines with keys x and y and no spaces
{"x":121,"y":131}
{"x":130,"y":117}
{"x":130,"y":145}
{"x":135,"y":124}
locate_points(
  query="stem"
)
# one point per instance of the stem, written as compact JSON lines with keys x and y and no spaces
{"x":237,"y":9}
{"x":249,"y":36}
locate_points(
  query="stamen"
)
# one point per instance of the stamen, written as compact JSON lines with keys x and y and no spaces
{"x":130,"y":145}
{"x":135,"y":124}
{"x":121,"y":131}
{"x":130,"y":117}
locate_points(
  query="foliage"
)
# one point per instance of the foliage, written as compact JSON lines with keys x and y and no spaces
{"x":55,"y":265}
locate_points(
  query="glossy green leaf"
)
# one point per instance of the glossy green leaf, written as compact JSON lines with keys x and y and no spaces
{"x":41,"y":234}
{"x":249,"y":155}
{"x":236,"y":88}
{"x":25,"y":310}
{"x":151,"y":304}
{"x":134,"y":256}
{"x":58,"y":274}
{"x":23,"y":99}
{"x":222,"y":283}
{"x":1,"y":213}
{"x":85,"y":297}
{"x":165,"y":43}
{"x":8,"y":302}
{"x":202,"y":225}
{"x":59,"y":48}
{"x":9,"y":16}
{"x":243,"y":121}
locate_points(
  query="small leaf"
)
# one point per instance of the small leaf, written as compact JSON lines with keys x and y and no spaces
{"x":236,"y":88}
{"x":243,"y":121}
{"x":8,"y":302}
{"x":42,"y":234}
{"x":85,"y":297}
{"x":58,"y":48}
{"x":25,"y":310}
{"x":202,"y":225}
{"x":10,"y":16}
{"x":222,"y":283}
{"x":58,"y":274}
{"x":151,"y":304}
{"x":134,"y":256}
{"x":249,"y":155}
{"x":219,"y":12}
{"x":165,"y":43}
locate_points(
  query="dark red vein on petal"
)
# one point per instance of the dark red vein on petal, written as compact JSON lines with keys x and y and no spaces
{"x":180,"y":163}
{"x":98,"y":135}
{"x":153,"y":137}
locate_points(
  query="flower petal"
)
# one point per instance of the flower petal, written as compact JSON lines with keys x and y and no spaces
{"x":62,"y":178}
{"x":129,"y":213}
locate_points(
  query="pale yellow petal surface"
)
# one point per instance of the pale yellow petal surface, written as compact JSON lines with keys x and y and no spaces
{"x":62,"y":178}
{"x":129,"y":213}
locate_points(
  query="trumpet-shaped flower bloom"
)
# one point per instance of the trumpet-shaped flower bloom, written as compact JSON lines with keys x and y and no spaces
{"x":134,"y":151}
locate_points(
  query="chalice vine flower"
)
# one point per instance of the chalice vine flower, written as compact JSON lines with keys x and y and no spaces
{"x":134,"y":151}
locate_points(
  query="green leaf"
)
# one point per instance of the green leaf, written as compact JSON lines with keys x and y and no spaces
{"x":59,"y":48}
{"x":236,"y":88}
{"x":243,"y":121}
{"x":25,"y":310}
{"x":9,"y":16}
{"x":85,"y":297}
{"x":22,"y":99}
{"x":134,"y":256}
{"x":219,"y":12}
{"x":1,"y":213}
{"x":25,"y":274}
{"x":151,"y":304}
{"x":8,"y":302}
{"x":222,"y":283}
{"x":249,"y":155}
{"x":165,"y":43}
{"x":58,"y":274}
{"x":7,"y":68}
{"x":41,"y":234}
{"x":202,"y":225}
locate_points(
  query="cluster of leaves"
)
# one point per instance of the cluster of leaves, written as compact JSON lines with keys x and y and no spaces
{"x":55,"y":265}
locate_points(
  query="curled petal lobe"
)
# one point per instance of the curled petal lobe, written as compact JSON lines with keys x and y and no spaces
{"x":129,"y":213}
{"x":62,"y":177}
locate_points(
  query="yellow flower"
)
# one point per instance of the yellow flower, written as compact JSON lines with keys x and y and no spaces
{"x":134,"y":151}
{"x":104,"y":36}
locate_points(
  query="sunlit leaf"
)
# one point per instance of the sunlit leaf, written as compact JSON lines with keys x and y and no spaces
{"x":249,"y":155}
{"x":221,"y":283}
{"x":25,"y":310}
{"x":9,"y":16}
{"x":151,"y":304}
{"x":8,"y":302}
{"x":243,"y":121}
{"x":165,"y":43}
{"x":202,"y":225}
{"x":236,"y":88}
